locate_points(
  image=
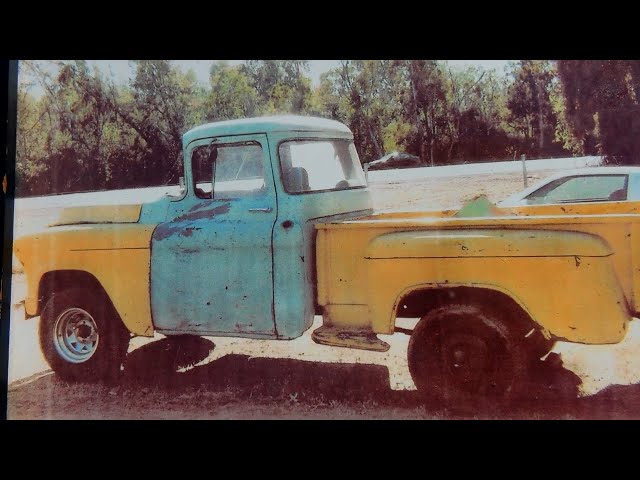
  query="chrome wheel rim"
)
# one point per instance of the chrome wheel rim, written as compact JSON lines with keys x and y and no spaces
{"x":76,"y":335}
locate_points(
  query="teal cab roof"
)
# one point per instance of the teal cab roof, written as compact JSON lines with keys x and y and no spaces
{"x":280,"y":123}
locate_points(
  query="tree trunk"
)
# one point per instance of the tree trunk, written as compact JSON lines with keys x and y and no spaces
{"x":431,"y":151}
{"x":374,"y":141}
{"x":418,"y":122}
{"x":540,"y":119}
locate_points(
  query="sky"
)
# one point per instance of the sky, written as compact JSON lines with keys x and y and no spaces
{"x":122,"y":71}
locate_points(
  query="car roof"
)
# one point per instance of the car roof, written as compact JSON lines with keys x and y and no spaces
{"x":266,"y":124}
{"x":623,"y":169}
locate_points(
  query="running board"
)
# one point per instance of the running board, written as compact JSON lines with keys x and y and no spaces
{"x":349,"y":338}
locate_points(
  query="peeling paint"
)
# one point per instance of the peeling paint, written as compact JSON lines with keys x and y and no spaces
{"x":203,"y":211}
{"x":179,"y":224}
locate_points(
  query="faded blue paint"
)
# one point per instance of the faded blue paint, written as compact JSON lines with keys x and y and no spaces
{"x":634,"y":187}
{"x":213,"y":268}
{"x":271,"y":124}
{"x":294,"y":248}
{"x":211,"y":264}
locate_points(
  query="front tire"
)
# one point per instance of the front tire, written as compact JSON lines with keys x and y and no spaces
{"x":466,"y":356}
{"x":82,"y":337}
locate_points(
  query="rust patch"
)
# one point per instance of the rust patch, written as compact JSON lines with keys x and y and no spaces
{"x":196,"y":214}
{"x":165,"y":230}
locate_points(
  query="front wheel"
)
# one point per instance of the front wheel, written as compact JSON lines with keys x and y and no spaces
{"x":466,"y":356}
{"x":81,"y":336}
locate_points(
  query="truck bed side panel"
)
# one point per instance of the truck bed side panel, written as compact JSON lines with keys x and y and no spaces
{"x":575,"y":281}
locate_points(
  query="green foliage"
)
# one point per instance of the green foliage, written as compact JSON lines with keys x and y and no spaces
{"x":87,"y":132}
{"x":602,"y":106}
{"x":531,"y":110}
{"x":281,"y":85}
{"x":231,"y":94}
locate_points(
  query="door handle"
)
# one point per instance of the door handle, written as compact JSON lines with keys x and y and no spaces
{"x":260,"y":210}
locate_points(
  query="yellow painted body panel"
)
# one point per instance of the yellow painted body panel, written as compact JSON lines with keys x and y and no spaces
{"x":573,"y":274}
{"x":99,"y":214}
{"x":595,"y":208}
{"x":116,"y":255}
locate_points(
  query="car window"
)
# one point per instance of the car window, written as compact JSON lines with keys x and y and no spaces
{"x":239,"y":170}
{"x":320,"y":165}
{"x":587,"y":188}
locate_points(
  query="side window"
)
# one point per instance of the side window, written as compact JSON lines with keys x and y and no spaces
{"x":237,"y":170}
{"x":589,"y":188}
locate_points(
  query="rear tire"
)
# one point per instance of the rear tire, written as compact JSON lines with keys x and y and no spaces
{"x":82,"y":337}
{"x":466,"y":356}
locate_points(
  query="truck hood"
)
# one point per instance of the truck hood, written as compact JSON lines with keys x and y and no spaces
{"x":99,"y":214}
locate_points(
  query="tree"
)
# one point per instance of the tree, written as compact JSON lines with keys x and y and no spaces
{"x":426,"y":103}
{"x":366,"y":96}
{"x":31,"y":155}
{"x":281,"y":85}
{"x":529,"y":102}
{"x":157,"y":108}
{"x":476,"y":115}
{"x":78,"y":142}
{"x":602,"y":106}
{"x":231,"y":94}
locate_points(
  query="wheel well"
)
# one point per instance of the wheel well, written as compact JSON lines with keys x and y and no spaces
{"x":59,"y":280}
{"x":420,"y":302}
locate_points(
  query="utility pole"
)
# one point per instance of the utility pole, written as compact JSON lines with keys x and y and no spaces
{"x":523,"y":157}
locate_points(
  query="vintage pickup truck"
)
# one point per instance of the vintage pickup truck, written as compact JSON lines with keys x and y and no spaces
{"x":274,"y":224}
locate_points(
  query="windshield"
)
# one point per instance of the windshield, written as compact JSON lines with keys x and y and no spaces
{"x":320,"y":165}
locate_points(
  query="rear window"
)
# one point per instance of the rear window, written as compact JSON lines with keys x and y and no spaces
{"x":320,"y":165}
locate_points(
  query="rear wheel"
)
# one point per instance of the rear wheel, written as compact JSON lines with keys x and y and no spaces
{"x":466,"y":356}
{"x":81,"y":336}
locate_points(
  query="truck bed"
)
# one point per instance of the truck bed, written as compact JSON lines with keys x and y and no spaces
{"x":590,"y":256}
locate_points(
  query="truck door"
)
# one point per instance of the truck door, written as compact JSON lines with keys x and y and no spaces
{"x":211,"y":263}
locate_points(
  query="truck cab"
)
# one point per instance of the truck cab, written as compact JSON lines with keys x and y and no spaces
{"x":235,"y":252}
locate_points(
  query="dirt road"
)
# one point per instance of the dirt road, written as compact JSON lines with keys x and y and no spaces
{"x":241,"y":378}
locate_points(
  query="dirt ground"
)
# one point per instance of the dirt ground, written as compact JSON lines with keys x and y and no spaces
{"x":222,"y":378}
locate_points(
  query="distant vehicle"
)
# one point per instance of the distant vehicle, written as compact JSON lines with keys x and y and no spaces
{"x":396,"y":160}
{"x":595,"y":184}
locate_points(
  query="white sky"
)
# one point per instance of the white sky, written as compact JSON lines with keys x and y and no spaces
{"x":122,"y":71}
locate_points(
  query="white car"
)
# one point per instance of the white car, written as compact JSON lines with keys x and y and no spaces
{"x":595,"y":184}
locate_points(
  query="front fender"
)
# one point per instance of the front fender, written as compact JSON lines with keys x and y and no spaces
{"x":116,"y":255}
